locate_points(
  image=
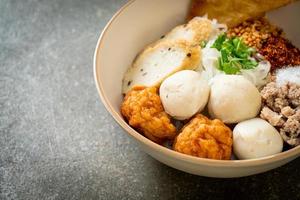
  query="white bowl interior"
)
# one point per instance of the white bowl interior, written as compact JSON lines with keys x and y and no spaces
{"x":287,"y":18}
{"x":141,"y":22}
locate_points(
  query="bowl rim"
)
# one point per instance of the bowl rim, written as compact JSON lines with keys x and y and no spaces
{"x":165,"y":151}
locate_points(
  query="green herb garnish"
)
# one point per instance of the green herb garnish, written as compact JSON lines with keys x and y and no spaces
{"x":235,"y":54}
{"x":203,"y":44}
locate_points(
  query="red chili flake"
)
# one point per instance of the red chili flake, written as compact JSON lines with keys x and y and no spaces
{"x":280,"y":52}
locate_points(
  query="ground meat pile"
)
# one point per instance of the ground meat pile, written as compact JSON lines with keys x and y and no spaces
{"x":205,"y":138}
{"x":143,"y":109}
{"x":282,"y":110}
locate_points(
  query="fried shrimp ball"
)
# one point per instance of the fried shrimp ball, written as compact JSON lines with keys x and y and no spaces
{"x":205,"y":138}
{"x":143,"y":109}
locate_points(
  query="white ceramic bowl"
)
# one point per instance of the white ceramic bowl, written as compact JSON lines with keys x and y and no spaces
{"x":135,"y":25}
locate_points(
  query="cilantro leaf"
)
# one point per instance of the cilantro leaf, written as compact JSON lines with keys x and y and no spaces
{"x":219,"y":41}
{"x":235,"y":54}
{"x":203,"y":44}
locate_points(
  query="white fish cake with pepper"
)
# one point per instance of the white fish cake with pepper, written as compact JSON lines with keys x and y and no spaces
{"x":157,"y":62}
{"x":199,"y":29}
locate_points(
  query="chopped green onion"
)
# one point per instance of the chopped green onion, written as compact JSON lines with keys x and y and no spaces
{"x":235,"y":54}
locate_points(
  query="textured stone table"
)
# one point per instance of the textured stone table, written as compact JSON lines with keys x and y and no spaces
{"x":57,"y":141}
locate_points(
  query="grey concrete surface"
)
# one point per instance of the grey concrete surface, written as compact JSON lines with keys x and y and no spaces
{"x":57,"y":141}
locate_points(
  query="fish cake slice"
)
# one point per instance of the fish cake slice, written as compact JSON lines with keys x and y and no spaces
{"x":157,"y":62}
